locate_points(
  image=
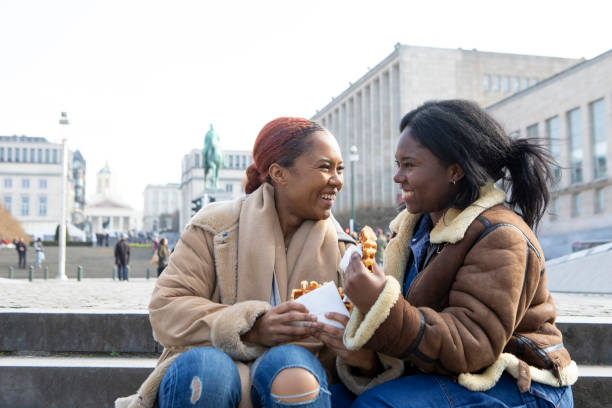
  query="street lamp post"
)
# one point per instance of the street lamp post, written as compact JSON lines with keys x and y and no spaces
{"x":61,"y":267}
{"x":353,"y":157}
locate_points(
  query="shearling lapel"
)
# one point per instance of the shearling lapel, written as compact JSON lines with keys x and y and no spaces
{"x":312,"y":255}
{"x":452,"y":226}
{"x":259,"y":234}
{"x":397,"y":253}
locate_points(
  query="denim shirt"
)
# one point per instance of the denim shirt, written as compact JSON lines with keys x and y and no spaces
{"x":419,"y":244}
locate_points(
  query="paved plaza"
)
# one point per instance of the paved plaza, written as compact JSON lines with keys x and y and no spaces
{"x":106,"y":294}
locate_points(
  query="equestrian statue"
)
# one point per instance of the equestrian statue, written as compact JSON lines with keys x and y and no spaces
{"x":212,"y":158}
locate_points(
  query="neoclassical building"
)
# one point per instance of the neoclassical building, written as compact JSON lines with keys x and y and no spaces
{"x":106,"y":213}
{"x":31,"y":184}
{"x":231,"y":178}
{"x":572,"y":112}
{"x":367,"y":114}
{"x":162,"y":205}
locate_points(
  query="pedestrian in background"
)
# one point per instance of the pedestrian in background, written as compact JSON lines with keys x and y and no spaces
{"x":22,"y":249}
{"x":40,"y":252}
{"x":122,"y":258}
{"x":381,"y":245}
{"x":162,"y":255}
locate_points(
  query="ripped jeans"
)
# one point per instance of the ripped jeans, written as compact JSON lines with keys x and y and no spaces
{"x":207,"y":377}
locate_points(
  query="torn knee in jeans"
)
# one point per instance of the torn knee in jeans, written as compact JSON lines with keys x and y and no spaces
{"x":196,"y":389}
{"x":293,"y":385}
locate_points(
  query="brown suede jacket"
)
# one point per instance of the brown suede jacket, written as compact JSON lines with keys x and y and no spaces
{"x":479,"y":306}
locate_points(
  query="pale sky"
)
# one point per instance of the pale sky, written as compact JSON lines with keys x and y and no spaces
{"x":142,"y":80}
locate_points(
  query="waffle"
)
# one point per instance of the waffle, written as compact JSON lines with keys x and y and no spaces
{"x":367,"y":239}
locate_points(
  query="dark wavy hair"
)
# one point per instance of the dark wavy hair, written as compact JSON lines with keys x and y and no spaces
{"x":280,"y":141}
{"x":459,"y":131}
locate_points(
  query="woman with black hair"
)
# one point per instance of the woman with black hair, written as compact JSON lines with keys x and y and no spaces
{"x":462,"y":299}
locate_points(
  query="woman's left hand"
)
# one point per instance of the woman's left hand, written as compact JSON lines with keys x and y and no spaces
{"x":362,"y":286}
{"x":364,"y":359}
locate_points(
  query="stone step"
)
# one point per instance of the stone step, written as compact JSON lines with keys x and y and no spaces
{"x":589,"y":339}
{"x":65,"y":382}
{"x":77,"y":331}
{"x":592,"y":390}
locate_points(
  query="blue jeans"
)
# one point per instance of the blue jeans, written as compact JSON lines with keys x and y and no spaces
{"x":201,"y":377}
{"x":122,"y":272}
{"x":265,"y":369}
{"x":421,"y":391}
{"x":207,"y":377}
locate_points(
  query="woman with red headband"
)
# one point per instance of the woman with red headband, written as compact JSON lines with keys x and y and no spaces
{"x":221,"y":308}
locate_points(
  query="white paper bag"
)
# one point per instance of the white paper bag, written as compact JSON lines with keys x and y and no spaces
{"x":324,"y":300}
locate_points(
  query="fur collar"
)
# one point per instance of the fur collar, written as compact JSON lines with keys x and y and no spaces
{"x":450,"y":229}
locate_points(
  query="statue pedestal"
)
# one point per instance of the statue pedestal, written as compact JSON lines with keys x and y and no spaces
{"x":210,"y":195}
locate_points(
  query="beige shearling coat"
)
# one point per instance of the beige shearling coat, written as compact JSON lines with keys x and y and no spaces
{"x":219,"y":280}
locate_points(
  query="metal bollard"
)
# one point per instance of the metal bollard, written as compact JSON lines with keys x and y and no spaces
{"x":148,"y":273}
{"x":46,"y":272}
{"x":79,"y":273}
{"x":115,"y":272}
{"x":127,"y":273}
{"x":30,"y":273}
{"x":10,"y":272}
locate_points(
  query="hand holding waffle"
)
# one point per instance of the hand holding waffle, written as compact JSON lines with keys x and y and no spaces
{"x":363,"y":278}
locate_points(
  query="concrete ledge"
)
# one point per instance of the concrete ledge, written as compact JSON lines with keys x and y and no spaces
{"x":59,"y":382}
{"x":55,"y":331}
{"x":61,"y":387}
{"x":589,"y":340}
{"x":592,"y":390}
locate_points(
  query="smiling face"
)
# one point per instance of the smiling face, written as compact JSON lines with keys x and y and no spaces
{"x":426,"y":183}
{"x":310,"y":186}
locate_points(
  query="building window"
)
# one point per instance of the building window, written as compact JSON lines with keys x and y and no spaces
{"x":553,"y":210}
{"x":515,"y":84}
{"x":532,"y":131}
{"x":244,"y":162}
{"x":54,"y":155}
{"x":496,"y":83}
{"x":230,"y":161}
{"x":25,"y":183}
{"x":229,"y":188}
{"x":197,"y":161}
{"x":32,"y":155}
{"x":552,"y":132}
{"x":8,"y":183}
{"x":1,"y":154}
{"x":486,"y":83}
{"x":8,"y":203}
{"x":599,"y":143}
{"x":506,"y":84}
{"x":40,"y":156}
{"x":599,"y":200}
{"x":573,"y":127}
{"x":576,"y":205}
{"x":42,"y":183}
{"x":25,"y":206}
{"x":533,"y":81}
{"x":42,"y":206}
{"x":524,"y":83}
{"x":9,"y":154}
{"x":17,"y":151}
{"x":47,"y":158}
{"x":24,"y":155}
